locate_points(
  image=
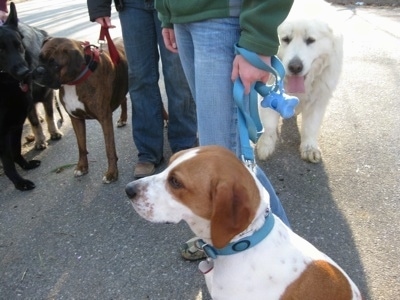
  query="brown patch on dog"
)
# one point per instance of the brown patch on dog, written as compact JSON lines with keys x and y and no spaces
{"x":320,"y":280}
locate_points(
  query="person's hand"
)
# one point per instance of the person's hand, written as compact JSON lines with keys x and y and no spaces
{"x":169,"y":39}
{"x":3,"y":16}
{"x":247,"y":73}
{"x":105,"y":22}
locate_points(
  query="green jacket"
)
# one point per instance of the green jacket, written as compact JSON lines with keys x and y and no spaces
{"x":259,"y":19}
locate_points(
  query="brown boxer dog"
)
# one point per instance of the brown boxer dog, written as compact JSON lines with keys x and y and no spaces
{"x":91,"y":87}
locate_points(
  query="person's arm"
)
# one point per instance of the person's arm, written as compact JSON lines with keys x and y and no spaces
{"x":98,"y":9}
{"x":167,"y":28}
{"x":169,"y":39}
{"x":248,"y":73}
{"x":163,"y":14}
{"x":259,"y":21}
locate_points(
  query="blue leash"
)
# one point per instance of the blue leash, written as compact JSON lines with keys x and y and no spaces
{"x":249,"y":123}
{"x":250,"y":128}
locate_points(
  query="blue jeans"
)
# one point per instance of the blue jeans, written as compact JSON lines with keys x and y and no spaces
{"x":206,"y":50}
{"x":141,"y":31}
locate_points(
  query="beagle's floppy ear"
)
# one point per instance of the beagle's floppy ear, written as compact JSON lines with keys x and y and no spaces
{"x":233,"y":211}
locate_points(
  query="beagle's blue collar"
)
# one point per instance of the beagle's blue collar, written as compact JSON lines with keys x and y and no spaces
{"x":242,"y":244}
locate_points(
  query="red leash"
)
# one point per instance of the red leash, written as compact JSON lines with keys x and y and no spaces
{"x":111,"y":47}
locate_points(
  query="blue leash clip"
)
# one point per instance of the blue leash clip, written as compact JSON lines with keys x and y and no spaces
{"x":274,"y":95}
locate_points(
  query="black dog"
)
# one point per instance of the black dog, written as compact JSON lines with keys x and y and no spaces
{"x":19,"y":50}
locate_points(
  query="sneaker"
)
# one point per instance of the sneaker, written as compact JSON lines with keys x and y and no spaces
{"x":191,"y":250}
{"x":143,"y":169}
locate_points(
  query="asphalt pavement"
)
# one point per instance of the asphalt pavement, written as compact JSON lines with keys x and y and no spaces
{"x":77,"y":238}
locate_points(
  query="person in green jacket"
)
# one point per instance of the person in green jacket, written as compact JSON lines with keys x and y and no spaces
{"x":205,"y":32}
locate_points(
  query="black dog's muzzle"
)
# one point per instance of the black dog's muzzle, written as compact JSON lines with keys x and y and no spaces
{"x":41,"y":76}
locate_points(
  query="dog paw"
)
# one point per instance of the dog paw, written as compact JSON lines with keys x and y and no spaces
{"x":121,"y":123}
{"x":109,"y":178}
{"x":79,"y":172}
{"x":310,"y":153}
{"x":32,"y":164}
{"x":24,"y":185}
{"x":55,"y":136}
{"x":40,"y":145}
{"x":265,"y":145}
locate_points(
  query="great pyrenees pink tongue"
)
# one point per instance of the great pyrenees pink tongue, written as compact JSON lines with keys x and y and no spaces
{"x":295,"y":84}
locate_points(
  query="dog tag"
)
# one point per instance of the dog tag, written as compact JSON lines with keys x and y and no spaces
{"x":206,"y":266}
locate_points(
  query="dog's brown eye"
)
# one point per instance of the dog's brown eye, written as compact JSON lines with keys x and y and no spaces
{"x":286,"y":40}
{"x":174,"y":182}
{"x":310,"y":40}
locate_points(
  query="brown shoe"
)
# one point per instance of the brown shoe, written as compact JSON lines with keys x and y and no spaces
{"x":143,"y":169}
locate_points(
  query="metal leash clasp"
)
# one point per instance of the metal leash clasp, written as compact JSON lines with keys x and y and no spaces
{"x":101,"y":43}
{"x":249,"y":163}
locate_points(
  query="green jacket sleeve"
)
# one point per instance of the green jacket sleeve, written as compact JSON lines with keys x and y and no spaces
{"x":163,"y":14}
{"x":259,"y":21}
{"x":98,"y":9}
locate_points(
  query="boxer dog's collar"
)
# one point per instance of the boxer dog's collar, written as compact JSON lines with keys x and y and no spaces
{"x":92,"y":55}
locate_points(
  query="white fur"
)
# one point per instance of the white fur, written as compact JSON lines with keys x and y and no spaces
{"x":322,"y":61}
{"x":71,"y":102}
{"x":261,"y":272}
{"x":157,"y":209}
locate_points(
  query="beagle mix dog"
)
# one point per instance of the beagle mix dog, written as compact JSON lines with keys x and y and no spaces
{"x":252,"y":253}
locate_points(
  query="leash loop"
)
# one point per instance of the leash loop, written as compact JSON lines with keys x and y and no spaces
{"x":273,"y":96}
{"x":105,"y":36}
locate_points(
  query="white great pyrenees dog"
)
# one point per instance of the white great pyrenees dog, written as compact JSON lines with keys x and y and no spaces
{"x":312,"y":52}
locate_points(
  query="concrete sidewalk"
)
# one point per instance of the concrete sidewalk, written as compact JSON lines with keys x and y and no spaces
{"x":76,"y":238}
